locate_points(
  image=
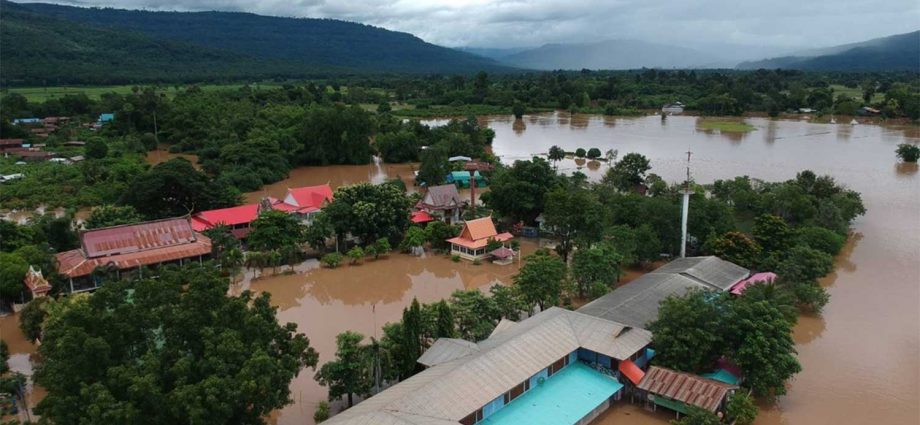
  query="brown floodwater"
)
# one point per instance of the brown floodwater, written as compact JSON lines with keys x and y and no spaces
{"x":337,"y":175}
{"x":162,"y":154}
{"x":860,"y":358}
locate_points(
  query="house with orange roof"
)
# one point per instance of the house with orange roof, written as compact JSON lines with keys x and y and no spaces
{"x":476,"y":234}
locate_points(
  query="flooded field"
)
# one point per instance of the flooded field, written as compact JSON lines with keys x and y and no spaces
{"x":861,"y":358}
{"x":162,"y":154}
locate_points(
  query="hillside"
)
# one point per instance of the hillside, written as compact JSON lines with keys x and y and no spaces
{"x":894,"y":53}
{"x":611,"y":54}
{"x":40,"y":50}
{"x":322,"y":43}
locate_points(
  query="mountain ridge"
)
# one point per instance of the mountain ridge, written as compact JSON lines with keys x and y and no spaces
{"x":898,"y":52}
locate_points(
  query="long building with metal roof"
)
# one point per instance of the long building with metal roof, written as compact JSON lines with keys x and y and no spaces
{"x":470,"y":383}
{"x":636,"y":303}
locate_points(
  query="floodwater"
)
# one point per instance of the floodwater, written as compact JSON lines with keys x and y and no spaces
{"x":337,"y":175}
{"x":23,"y":216}
{"x":324,"y":302}
{"x":162,"y":154}
{"x":861,"y":357}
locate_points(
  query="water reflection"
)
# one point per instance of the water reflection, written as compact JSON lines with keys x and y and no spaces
{"x":905,"y":169}
{"x":519,"y":127}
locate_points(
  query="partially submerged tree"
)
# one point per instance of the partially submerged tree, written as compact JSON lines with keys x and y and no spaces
{"x":540,"y":280}
{"x":348,"y":375}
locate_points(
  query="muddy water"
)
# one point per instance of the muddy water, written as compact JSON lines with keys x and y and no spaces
{"x":861,"y":358}
{"x":325,"y":302}
{"x":335,"y":176}
{"x":162,"y":154}
{"x":23,"y":216}
{"x":22,"y":353}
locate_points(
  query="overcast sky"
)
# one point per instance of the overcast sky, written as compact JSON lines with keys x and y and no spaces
{"x":522,"y":23}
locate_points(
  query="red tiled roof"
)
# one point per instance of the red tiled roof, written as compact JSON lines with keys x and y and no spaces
{"x":229,"y":216}
{"x":684,"y":387}
{"x":421,"y":217}
{"x":11,"y":142}
{"x":311,"y":198}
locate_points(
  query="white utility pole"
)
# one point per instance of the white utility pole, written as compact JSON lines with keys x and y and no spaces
{"x":685,"y":211}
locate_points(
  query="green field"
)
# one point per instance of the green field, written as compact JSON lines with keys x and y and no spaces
{"x":41,"y":94}
{"x":855,"y":92}
{"x":725,"y":126}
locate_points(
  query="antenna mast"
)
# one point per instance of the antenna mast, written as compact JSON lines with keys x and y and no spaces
{"x":685,"y":210}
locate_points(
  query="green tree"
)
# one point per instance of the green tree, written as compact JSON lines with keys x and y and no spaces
{"x":273,"y":230}
{"x":598,"y":264}
{"x":761,"y":343}
{"x":475,"y":314}
{"x":508,"y":300}
{"x":444,"y":320}
{"x":572,"y":214}
{"x":96,"y":148}
{"x":518,"y":109}
{"x":741,"y":408}
{"x":348,"y":375}
{"x":628,"y":172}
{"x":556,"y":154}
{"x":518,"y":192}
{"x":821,"y":239}
{"x":322,"y":412}
{"x":540,"y":280}
{"x":908,"y":153}
{"x":332,"y":259}
{"x":382,"y":247}
{"x":13,"y":269}
{"x":32,"y":317}
{"x":580,"y":153}
{"x":412,"y":338}
{"x":318,"y":232}
{"x":688,"y":334}
{"x":4,"y":357}
{"x":736,"y":247}
{"x":434,"y":167}
{"x":177,"y":341}
{"x":415,"y":236}
{"x":355,"y":254}
{"x":772,"y":234}
{"x":174,"y":188}
{"x":698,"y":416}
{"x":369,"y":212}
{"x":384,"y":107}
{"x":802,"y":263}
{"x":111,"y":215}
{"x":594,"y":153}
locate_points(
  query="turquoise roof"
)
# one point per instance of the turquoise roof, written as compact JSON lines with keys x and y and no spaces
{"x":562,"y":399}
{"x":106,"y":117}
{"x":722,"y":375}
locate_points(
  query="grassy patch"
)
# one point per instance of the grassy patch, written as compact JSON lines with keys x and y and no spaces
{"x":855,"y":92}
{"x":725,"y":126}
{"x":42,"y":94}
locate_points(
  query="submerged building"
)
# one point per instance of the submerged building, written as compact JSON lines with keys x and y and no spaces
{"x":555,"y":368}
{"x":474,"y":239}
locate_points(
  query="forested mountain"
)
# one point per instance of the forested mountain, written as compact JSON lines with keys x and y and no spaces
{"x":312,"y":43}
{"x":38,"y":50}
{"x":609,"y":54}
{"x":895,"y":53}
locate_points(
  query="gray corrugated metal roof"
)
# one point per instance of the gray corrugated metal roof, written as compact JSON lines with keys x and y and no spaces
{"x":449,"y":391}
{"x":711,"y":270}
{"x":446,"y":349}
{"x":636,"y":303}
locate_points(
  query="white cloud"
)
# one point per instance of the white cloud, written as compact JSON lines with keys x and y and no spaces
{"x":514,"y":23}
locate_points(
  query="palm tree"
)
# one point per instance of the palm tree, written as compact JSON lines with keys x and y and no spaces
{"x":556,"y":154}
